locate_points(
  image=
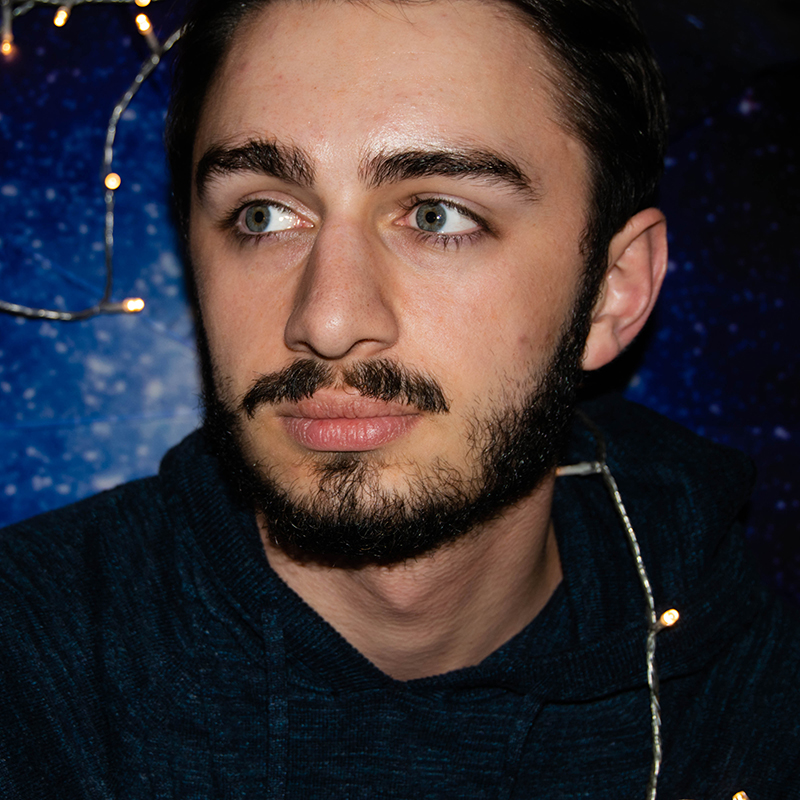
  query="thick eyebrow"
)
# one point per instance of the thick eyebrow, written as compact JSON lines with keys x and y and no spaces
{"x":291,"y":164}
{"x":461,"y":163}
{"x":259,"y":156}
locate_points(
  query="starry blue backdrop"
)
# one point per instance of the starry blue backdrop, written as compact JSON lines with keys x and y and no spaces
{"x":85,"y":406}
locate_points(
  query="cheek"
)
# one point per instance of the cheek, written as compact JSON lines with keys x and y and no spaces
{"x":241,"y":316}
{"x":491,"y":322}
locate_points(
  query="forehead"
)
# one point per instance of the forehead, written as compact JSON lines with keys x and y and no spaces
{"x":331,"y":74}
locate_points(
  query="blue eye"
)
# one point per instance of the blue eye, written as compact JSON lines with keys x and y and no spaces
{"x":431,"y":217}
{"x":268,"y":218}
{"x":439,"y":217}
{"x":257,"y":218}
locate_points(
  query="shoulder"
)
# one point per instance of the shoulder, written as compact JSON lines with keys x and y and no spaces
{"x":86,"y":594}
{"x":114,"y":524}
{"x":60,"y":548}
{"x":684,"y":493}
{"x":737,"y":721}
{"x":642,"y":440}
{"x":684,"y":497}
{"x":730,"y":670}
{"x":103,"y":557}
{"x":67,"y":574}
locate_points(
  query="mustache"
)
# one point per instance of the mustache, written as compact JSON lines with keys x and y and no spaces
{"x":380,"y":379}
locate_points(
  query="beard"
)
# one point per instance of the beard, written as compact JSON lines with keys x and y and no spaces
{"x":350,"y":518}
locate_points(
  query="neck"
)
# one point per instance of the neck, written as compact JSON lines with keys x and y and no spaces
{"x":445,"y":611}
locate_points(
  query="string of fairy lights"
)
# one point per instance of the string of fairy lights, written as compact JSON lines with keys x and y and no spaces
{"x":111,"y":180}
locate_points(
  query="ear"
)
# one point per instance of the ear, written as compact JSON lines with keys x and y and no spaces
{"x":637,"y":258}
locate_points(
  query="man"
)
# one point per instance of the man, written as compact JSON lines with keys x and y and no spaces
{"x":411,"y":226}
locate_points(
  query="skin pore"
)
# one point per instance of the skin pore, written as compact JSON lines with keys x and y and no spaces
{"x":392,"y":182}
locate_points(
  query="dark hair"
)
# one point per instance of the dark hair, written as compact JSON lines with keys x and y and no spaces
{"x":608,"y":90}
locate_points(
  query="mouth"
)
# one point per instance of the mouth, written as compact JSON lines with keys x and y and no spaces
{"x":337,"y":423}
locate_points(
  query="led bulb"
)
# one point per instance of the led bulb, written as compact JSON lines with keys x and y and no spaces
{"x":7,"y":48}
{"x":61,"y":17}
{"x":112,"y":181}
{"x":132,"y":305}
{"x":142,"y":3}
{"x":669,"y":618}
{"x":146,"y":29}
{"x":740,"y":796}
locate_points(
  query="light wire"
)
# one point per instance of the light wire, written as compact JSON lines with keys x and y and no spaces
{"x":600,"y":467}
{"x":105,"y":305}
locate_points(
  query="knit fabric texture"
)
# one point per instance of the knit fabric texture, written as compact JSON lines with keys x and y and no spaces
{"x":147,"y":650}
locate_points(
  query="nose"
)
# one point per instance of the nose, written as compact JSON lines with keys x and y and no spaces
{"x":342,"y":305}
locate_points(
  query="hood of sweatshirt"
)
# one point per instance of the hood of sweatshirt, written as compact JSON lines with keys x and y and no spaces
{"x":173,"y":662}
{"x":682,"y":494}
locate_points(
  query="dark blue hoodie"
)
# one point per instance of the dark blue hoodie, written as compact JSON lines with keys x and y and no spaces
{"x":147,"y":650}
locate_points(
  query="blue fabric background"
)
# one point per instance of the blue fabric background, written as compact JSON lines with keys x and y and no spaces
{"x":84,"y":406}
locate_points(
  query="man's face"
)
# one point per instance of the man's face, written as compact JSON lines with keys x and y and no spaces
{"x":387,"y":223}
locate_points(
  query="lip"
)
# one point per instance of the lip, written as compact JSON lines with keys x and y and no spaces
{"x":346,"y":423}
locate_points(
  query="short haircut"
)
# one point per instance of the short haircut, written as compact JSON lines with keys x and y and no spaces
{"x":607,"y":87}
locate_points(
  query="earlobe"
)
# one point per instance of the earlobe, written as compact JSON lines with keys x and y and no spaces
{"x":637,"y":258}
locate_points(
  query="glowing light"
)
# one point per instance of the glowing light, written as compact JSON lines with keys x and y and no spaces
{"x":142,"y":3}
{"x":7,"y":48}
{"x":132,"y":305}
{"x":61,"y":17}
{"x":740,"y":796}
{"x":112,"y":181}
{"x":668,"y":619}
{"x":146,"y":29}
{"x":143,"y":23}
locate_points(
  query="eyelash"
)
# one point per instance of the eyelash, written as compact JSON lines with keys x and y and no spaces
{"x":447,"y":241}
